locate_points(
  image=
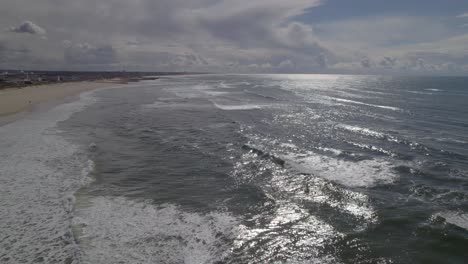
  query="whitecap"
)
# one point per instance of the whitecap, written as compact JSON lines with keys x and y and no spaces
{"x":452,"y":140}
{"x":455,"y":218}
{"x":237,"y":107}
{"x":434,"y":90}
{"x":361,"y":103}
{"x":364,"y":173}
{"x":173,"y":104}
{"x":215,"y":93}
{"x":418,"y":92}
{"x":363,"y":131}
{"x":224,"y":85}
{"x":119,"y":230}
{"x":40,"y":171}
{"x":289,"y":145}
{"x":372,"y":148}
{"x":211,"y":90}
{"x":331,"y":150}
{"x":313,"y":175}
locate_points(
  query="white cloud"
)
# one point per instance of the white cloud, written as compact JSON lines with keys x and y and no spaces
{"x":258,"y":32}
{"x":395,"y":45}
{"x":225,"y":35}
{"x":366,"y":63}
{"x":286,"y":64}
{"x":370,"y":32}
{"x":464,"y":15}
{"x":388,"y":62}
{"x":28,"y":27}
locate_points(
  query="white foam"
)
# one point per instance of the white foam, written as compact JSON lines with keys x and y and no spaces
{"x":331,"y":150}
{"x":173,"y":104}
{"x":201,"y":90}
{"x":319,"y":191}
{"x":118,"y":230}
{"x":418,"y":92}
{"x":361,"y":103}
{"x":289,"y":145}
{"x":372,"y":148}
{"x":40,"y":171}
{"x":237,"y":107}
{"x":210,"y":90}
{"x":376,"y":134}
{"x":363,"y":131}
{"x":366,"y":91}
{"x":455,"y":218}
{"x":452,"y":140}
{"x":243,"y":83}
{"x":293,"y":185}
{"x":434,"y":90}
{"x":215,"y":93}
{"x":224,"y":85}
{"x":365,"y":173}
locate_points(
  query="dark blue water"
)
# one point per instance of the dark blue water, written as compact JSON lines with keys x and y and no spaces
{"x":286,"y":168}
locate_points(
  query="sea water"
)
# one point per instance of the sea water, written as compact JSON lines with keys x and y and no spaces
{"x":242,"y":169}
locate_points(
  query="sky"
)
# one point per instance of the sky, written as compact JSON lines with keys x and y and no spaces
{"x":427,"y":37}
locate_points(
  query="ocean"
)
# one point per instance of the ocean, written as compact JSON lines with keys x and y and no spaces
{"x":242,"y":169}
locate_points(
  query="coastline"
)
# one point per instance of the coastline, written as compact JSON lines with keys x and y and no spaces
{"x":41,"y":171}
{"x":14,"y":102}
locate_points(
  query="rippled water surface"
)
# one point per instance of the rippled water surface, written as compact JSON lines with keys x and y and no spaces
{"x":264,"y":168}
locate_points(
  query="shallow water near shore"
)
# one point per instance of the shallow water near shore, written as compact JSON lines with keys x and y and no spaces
{"x":248,"y":169}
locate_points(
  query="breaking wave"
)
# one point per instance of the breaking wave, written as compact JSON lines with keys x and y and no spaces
{"x":366,"y":104}
{"x":38,"y":196}
{"x":119,"y":230}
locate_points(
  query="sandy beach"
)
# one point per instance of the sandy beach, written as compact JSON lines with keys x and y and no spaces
{"x":16,"y":100}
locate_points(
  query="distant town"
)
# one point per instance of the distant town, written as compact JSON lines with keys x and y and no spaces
{"x":18,"y":78}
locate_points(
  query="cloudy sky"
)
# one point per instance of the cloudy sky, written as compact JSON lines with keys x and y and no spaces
{"x":287,"y":36}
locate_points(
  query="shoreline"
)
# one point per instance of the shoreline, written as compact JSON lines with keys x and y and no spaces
{"x":41,"y":172}
{"x":16,"y":102}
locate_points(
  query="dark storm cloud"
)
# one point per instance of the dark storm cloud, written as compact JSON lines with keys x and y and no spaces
{"x":217,"y":31}
{"x":220,"y":35}
{"x":88,"y":54}
{"x":2,"y":52}
{"x":10,"y":54}
{"x":322,"y":60}
{"x":166,"y":61}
